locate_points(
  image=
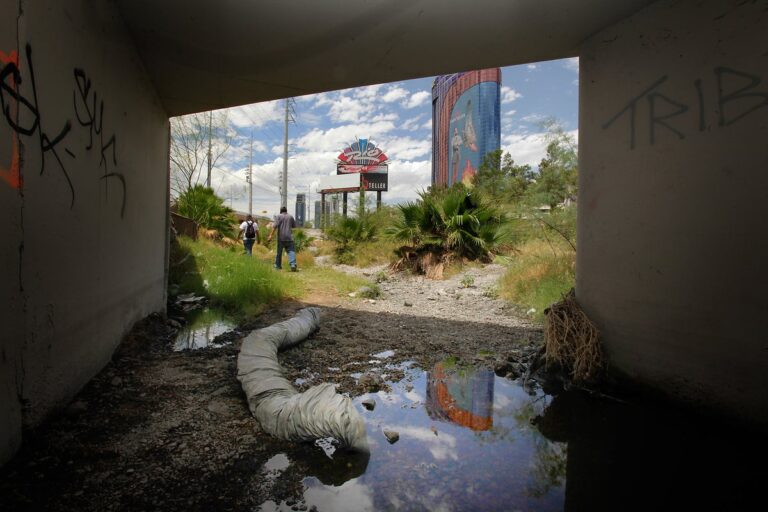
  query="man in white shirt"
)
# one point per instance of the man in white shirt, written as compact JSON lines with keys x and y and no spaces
{"x":250,"y":231}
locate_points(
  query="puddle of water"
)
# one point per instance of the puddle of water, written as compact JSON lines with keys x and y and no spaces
{"x":469,"y":440}
{"x":277,"y":464}
{"x":465,"y":443}
{"x":202,"y":329}
{"x":384,"y":355}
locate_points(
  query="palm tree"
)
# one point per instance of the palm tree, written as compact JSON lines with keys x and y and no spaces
{"x":450,"y":223}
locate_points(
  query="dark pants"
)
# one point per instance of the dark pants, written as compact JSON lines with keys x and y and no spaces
{"x":288,"y":246}
{"x":248,"y":244}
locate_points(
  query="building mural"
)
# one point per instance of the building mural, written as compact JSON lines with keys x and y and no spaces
{"x":466,"y":123}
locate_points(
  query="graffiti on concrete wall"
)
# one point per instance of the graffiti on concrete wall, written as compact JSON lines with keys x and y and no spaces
{"x":738,"y":94}
{"x":90,"y":114}
{"x":25,"y":118}
{"x":10,"y":171}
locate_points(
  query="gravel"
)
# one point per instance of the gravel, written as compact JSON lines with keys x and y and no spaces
{"x":165,"y":430}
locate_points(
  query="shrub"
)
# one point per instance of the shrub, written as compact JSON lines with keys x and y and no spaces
{"x":202,"y":205}
{"x":301,"y":240}
{"x":447,"y":224}
{"x":348,"y":232}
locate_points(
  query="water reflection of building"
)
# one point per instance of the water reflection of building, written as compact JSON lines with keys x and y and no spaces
{"x":463,"y":396}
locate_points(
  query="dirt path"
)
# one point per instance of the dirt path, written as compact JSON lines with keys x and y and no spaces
{"x":163,"y":430}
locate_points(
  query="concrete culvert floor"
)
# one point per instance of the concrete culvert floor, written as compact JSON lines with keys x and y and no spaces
{"x":159,"y":429}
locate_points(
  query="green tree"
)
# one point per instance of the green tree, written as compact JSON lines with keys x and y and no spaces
{"x":500,"y":179}
{"x":202,"y":205}
{"x":557,"y":179}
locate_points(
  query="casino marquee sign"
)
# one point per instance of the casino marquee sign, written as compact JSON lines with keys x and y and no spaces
{"x":367,"y":160}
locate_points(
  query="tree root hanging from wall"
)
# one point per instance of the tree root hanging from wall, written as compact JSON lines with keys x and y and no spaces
{"x":282,"y":411}
{"x":571,"y":340}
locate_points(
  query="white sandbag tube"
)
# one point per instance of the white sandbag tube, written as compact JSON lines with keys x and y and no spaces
{"x":282,"y":411}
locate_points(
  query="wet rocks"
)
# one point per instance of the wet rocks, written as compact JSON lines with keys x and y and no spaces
{"x":508,"y":369}
{"x":371,"y":382}
{"x":391,"y":436}
{"x":369,"y":404}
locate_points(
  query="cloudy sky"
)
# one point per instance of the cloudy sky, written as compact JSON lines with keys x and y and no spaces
{"x":397,"y":117}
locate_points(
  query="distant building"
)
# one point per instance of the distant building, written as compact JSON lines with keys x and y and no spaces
{"x":332,"y":209}
{"x":466,"y":123}
{"x":318,"y":206}
{"x":301,"y":209}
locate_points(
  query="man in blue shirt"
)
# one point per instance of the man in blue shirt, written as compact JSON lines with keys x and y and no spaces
{"x":284,"y":223}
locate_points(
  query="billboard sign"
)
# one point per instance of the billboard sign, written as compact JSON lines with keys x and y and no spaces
{"x":339,"y":183}
{"x":352,"y":182}
{"x":363,"y":169}
{"x":375,"y":181}
{"x":362,"y":152}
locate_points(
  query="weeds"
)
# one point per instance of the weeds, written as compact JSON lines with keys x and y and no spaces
{"x":540,"y":274}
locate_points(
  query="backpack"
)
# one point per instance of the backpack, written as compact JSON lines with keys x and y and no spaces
{"x":250,"y":231}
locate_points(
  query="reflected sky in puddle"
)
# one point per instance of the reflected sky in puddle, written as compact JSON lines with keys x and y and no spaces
{"x":201,"y":330}
{"x":466,"y":443}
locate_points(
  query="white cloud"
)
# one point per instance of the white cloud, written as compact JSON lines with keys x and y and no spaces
{"x":394,"y":94}
{"x":406,"y":148}
{"x":412,"y":124}
{"x":572,"y":64}
{"x":256,"y":114}
{"x":531,"y":66}
{"x":525,"y":149}
{"x":337,"y":138}
{"x":528,"y":148}
{"x":367,"y":92}
{"x":428,"y":124}
{"x":417,"y":99}
{"x":508,"y":95}
{"x":407,"y":178}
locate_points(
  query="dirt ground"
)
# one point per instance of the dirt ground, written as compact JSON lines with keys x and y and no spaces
{"x":165,"y":430}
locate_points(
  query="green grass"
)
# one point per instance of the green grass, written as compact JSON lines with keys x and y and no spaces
{"x":243,"y":286}
{"x":539,"y":275}
{"x":366,"y":254}
{"x":232,"y":281}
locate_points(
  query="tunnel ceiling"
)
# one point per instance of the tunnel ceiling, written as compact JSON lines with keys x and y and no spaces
{"x":203,"y":54}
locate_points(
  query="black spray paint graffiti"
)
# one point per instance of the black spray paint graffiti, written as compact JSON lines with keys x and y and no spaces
{"x":9,"y":91}
{"x":93,"y":119}
{"x":662,"y":109}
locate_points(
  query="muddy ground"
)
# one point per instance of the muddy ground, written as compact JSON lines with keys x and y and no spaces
{"x":164,"y":430}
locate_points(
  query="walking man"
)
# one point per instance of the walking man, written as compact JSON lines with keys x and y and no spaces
{"x":250,"y":231}
{"x":284,"y":223}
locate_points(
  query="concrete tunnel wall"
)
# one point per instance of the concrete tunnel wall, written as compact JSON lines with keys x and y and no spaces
{"x":85,"y":227}
{"x":672,"y":245}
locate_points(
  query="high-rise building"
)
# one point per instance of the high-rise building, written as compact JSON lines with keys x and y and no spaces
{"x":466,"y":123}
{"x":318,"y":213}
{"x":301,"y":209}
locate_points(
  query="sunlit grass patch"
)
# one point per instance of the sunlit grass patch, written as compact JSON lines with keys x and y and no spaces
{"x":539,"y":275}
{"x":234,"y":282}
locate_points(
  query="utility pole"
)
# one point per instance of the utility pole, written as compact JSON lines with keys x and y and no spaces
{"x":210,"y":154}
{"x":284,"y":181}
{"x":250,"y":179}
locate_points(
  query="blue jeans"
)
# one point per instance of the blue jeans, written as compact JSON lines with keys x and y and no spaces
{"x":288,"y":246}
{"x":248,"y":244}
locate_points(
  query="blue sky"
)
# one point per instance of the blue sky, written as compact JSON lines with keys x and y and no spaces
{"x":397,"y":117}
